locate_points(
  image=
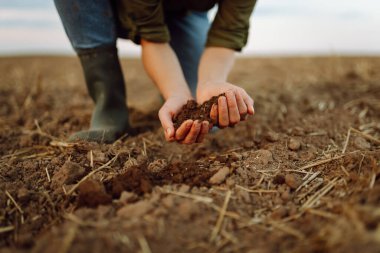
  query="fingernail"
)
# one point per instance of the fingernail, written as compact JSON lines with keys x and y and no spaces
{"x":169,"y":132}
{"x":252,"y":109}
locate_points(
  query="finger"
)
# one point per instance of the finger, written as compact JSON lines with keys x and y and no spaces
{"x":167,"y":124}
{"x":214,"y":113}
{"x":204,"y":130}
{"x":223,"y":112}
{"x":193,"y":133}
{"x":241,"y":105}
{"x":183,"y":130}
{"x":233,"y":111}
{"x":249,"y":102}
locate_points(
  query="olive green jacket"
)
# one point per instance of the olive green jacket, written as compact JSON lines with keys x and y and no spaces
{"x":145,"y":19}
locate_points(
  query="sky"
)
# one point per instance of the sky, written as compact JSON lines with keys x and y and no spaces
{"x":291,"y":27}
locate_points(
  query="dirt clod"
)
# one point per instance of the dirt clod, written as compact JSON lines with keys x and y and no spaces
{"x":272,"y":136}
{"x":293,"y":181}
{"x":69,"y":173}
{"x":140,"y":179}
{"x":91,"y":193}
{"x":263,"y":157}
{"x":191,"y":110}
{"x":128,"y":197}
{"x":294,"y":144}
{"x":220,"y":176}
{"x":135,"y":210}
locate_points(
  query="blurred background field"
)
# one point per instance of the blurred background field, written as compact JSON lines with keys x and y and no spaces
{"x":277,"y":28}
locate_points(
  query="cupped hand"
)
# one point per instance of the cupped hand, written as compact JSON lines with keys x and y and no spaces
{"x":232,"y":108}
{"x":190,"y":131}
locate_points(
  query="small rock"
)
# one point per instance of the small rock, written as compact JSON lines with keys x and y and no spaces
{"x":294,"y":144}
{"x":279,"y":179}
{"x":135,"y":210}
{"x":293,"y":181}
{"x":91,"y":193}
{"x":361,"y":143}
{"x":272,"y":136}
{"x":184,"y":188}
{"x":263,"y":156}
{"x":69,"y":173}
{"x":219,"y":176}
{"x":128,"y":197}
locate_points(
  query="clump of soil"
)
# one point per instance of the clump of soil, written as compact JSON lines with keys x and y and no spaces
{"x":193,"y":111}
{"x":140,"y":179}
{"x":92,"y":194}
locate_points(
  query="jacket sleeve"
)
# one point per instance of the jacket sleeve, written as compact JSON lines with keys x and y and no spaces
{"x":231,"y":24}
{"x":144,"y":19}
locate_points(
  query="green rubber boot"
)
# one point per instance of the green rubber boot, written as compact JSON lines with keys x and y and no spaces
{"x":105,"y":84}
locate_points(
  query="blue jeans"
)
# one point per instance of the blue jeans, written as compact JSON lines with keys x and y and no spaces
{"x":91,"y":24}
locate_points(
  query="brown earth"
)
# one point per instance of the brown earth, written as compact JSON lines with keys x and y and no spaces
{"x":294,"y":178}
{"x":191,"y":110}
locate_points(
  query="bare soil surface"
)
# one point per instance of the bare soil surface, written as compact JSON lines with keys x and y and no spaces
{"x":302,"y":175}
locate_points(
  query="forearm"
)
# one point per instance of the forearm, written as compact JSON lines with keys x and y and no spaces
{"x":215,"y":65}
{"x":161,"y":64}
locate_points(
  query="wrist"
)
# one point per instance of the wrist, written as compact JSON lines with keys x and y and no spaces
{"x":183,"y":93}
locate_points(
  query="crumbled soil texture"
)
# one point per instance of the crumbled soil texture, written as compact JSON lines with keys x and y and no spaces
{"x":294,"y":177}
{"x":191,"y":110}
{"x":142,"y":179}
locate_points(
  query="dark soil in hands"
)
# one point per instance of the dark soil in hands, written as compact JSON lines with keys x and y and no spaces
{"x":191,"y":110}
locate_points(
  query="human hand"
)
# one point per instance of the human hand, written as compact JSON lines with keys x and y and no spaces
{"x":232,"y":108}
{"x":190,"y":131}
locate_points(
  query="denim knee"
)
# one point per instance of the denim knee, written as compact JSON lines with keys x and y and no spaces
{"x":88,"y":23}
